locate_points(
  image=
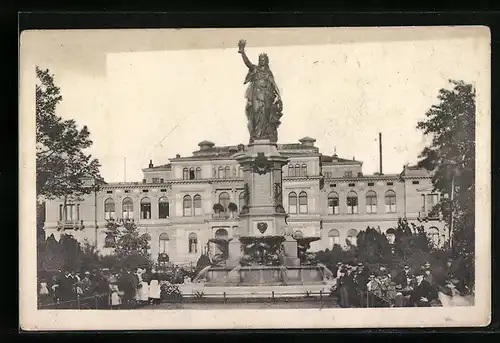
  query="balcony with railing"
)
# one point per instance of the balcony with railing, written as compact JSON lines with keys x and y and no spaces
{"x":70,"y":224}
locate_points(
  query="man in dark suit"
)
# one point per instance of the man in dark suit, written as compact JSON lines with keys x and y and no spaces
{"x":402,"y":277}
{"x":423,"y":293}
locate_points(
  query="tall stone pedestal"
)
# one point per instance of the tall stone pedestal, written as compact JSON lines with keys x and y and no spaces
{"x":290,"y":257}
{"x":263,"y":213}
{"x":235,"y":253}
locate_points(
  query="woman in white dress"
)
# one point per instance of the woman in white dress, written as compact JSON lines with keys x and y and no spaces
{"x":154,"y":290}
{"x":143,"y":290}
{"x":43,"y":291}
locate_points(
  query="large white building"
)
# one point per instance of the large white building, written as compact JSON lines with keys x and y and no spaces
{"x":326,"y":196}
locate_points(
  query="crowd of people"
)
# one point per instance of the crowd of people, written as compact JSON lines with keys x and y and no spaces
{"x":357,"y":286}
{"x":124,"y":288}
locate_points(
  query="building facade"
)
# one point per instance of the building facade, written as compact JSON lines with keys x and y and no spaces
{"x":325,"y":196}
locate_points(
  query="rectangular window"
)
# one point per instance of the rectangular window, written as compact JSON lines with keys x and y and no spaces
{"x":390,"y":183}
{"x":293,"y":205}
{"x":161,"y":180}
{"x":352,"y":205}
{"x":333,"y":206}
{"x":109,"y":192}
{"x":423,"y":203}
{"x":127,"y":191}
{"x":143,"y":180}
{"x":352,"y":184}
{"x":348,"y":174}
{"x":163,"y":190}
{"x":415,"y":182}
{"x":371,"y":205}
{"x":333,"y":185}
{"x":371,"y":184}
{"x":163,"y":209}
{"x":145,"y":191}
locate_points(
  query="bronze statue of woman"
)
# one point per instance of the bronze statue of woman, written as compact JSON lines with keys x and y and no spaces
{"x":264,"y":105}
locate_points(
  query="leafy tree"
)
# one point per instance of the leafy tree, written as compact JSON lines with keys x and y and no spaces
{"x":132,"y":247}
{"x":62,"y":165}
{"x":451,"y":157}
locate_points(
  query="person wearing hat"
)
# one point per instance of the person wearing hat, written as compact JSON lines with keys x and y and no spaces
{"x":360,"y":281}
{"x":399,"y":299}
{"x":116,"y":299}
{"x":423,"y":293}
{"x":86,"y":283}
{"x":402,"y":277}
{"x":374,"y":291}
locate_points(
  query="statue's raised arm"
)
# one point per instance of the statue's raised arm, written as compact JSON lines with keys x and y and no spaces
{"x":241,"y":46}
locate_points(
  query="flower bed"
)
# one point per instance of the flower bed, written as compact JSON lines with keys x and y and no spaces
{"x":170,"y":292}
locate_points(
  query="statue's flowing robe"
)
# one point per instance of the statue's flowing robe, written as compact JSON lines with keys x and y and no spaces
{"x":261,"y":108}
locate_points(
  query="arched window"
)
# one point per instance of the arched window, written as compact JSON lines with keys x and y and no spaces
{"x":371,"y":202}
{"x":221,"y":234}
{"x":291,"y":170}
{"x":187,"y":206}
{"x":298,"y":234}
{"x":164,"y":243}
{"x":352,"y":236}
{"x":145,"y":208}
{"x":433,"y":234}
{"x":292,"y":203}
{"x":109,"y":241}
{"x":198,"y":173}
{"x":241,"y":200}
{"x":191,"y":173}
{"x":109,"y":209}
{"x":302,"y":202}
{"x":297,"y":169}
{"x":352,"y":202}
{"x":333,"y":203}
{"x":185,"y":174}
{"x":227,"y":172}
{"x":128,"y":208}
{"x":193,"y":243}
{"x":197,"y":205}
{"x":224,"y":200}
{"x":220,"y":175}
{"x":390,"y":201}
{"x":240,"y":171}
{"x":163,"y":208}
{"x":304,"y":170}
{"x":333,"y":238}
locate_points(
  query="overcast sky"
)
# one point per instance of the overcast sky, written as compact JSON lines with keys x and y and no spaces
{"x":339,"y":86}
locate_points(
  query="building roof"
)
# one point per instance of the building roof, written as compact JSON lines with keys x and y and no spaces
{"x":326,"y":160}
{"x":415,"y":171}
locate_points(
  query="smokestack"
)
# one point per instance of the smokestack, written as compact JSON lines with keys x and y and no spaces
{"x":380,"y":151}
{"x":150,"y":164}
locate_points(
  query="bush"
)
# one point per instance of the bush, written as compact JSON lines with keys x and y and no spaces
{"x":169,"y":292}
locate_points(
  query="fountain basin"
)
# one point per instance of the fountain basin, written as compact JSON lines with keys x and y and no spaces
{"x":264,"y":275}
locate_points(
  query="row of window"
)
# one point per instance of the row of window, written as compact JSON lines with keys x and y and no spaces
{"x":128,"y":208}
{"x":69,"y":213}
{"x":352,"y":202}
{"x":220,"y":173}
{"x":297,"y":170}
{"x":192,"y":206}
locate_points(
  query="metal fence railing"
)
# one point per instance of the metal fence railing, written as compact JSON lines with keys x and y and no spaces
{"x":95,"y":302}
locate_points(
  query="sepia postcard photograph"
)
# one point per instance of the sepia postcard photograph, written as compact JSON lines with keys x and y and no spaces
{"x":255,"y":178}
